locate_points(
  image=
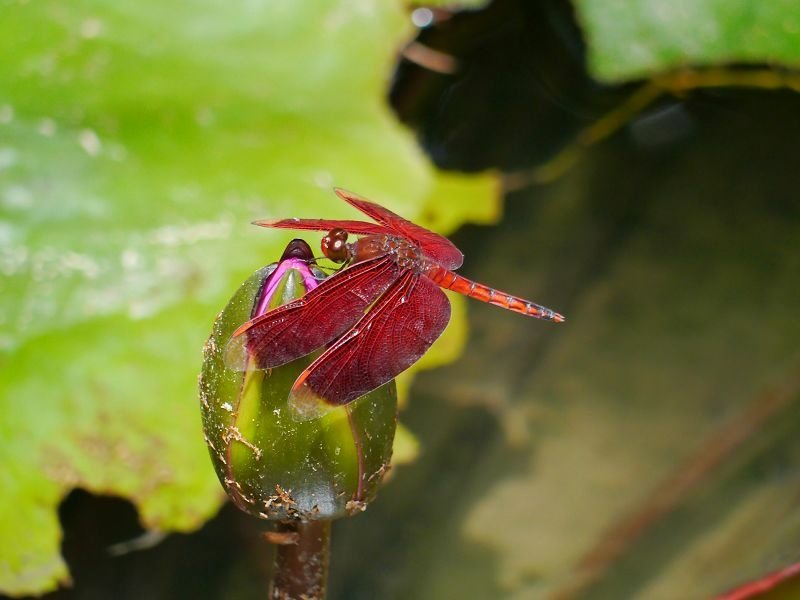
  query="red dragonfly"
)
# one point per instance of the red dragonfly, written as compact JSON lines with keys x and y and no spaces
{"x":379,"y":313}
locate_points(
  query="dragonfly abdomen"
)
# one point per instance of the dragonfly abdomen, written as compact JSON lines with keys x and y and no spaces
{"x":451,"y":281}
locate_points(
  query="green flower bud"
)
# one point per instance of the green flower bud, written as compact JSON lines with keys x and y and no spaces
{"x":272,"y":465}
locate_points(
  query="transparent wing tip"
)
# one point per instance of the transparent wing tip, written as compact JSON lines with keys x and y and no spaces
{"x":307,"y":405}
{"x":237,"y":356}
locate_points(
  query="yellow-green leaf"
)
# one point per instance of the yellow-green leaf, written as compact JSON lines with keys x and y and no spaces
{"x":137,"y":141}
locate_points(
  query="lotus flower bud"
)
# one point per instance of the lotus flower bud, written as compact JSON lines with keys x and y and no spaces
{"x":272,"y":465}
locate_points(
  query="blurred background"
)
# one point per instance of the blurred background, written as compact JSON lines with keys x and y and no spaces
{"x":632,"y":165}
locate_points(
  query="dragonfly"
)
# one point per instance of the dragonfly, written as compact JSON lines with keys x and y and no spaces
{"x":375,"y":316}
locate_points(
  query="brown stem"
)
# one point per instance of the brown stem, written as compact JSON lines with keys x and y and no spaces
{"x":301,"y":560}
{"x":687,"y":476}
{"x":677,"y":83}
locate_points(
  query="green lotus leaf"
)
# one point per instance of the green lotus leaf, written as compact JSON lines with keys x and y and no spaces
{"x":137,"y":141}
{"x":631,"y":39}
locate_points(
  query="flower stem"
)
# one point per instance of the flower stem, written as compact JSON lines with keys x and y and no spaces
{"x":301,"y":560}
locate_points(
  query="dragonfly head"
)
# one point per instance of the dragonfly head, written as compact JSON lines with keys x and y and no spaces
{"x":334,"y":245}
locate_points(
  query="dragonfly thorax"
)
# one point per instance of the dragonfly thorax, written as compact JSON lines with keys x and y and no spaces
{"x":405,"y":253}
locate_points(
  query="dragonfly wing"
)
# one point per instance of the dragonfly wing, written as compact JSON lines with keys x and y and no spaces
{"x":354,"y":227}
{"x":437,"y":247}
{"x":303,"y":325}
{"x":391,"y":337}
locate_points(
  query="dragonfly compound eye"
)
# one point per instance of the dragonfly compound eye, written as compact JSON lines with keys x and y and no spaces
{"x":334,"y":245}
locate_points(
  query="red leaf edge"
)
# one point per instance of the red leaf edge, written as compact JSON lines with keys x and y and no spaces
{"x":762,"y":585}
